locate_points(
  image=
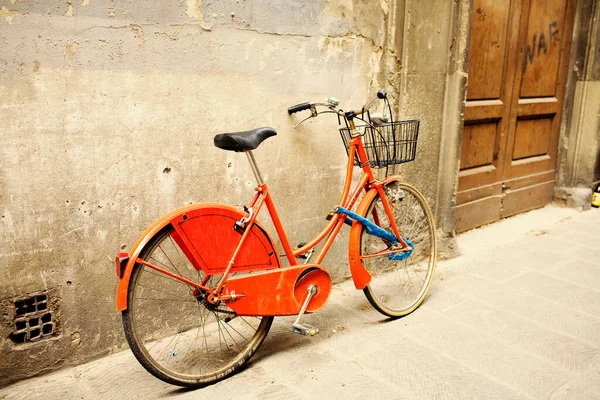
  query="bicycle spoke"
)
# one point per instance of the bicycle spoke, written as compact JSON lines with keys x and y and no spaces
{"x":220,"y":322}
{"x":163,"y":291}
{"x":249,"y":324}
{"x":165,"y":254}
{"x":173,"y":352}
{"x":167,"y":277}
{"x":236,"y":331}
{"x":203,"y":322}
{"x":180,"y":334}
{"x":166,"y":347}
{"x":196,"y":338}
{"x":165,"y":299}
{"x":180,"y":252}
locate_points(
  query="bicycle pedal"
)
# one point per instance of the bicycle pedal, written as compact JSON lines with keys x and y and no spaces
{"x":305,"y":329}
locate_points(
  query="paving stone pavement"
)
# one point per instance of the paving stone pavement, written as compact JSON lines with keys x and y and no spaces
{"x":516,"y":316}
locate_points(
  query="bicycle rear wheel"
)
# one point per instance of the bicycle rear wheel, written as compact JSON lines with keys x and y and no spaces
{"x":174,"y":332}
{"x":398,"y":287}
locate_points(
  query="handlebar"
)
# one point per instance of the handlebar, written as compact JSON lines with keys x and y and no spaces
{"x":298,"y":107}
{"x":332,"y":104}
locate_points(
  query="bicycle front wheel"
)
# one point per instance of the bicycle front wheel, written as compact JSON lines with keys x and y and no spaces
{"x":398,"y":287}
{"x":174,"y":332}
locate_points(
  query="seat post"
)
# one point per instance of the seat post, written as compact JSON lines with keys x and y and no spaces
{"x":252,"y":162}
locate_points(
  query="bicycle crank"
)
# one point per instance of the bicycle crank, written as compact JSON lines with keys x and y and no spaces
{"x":305,"y":329}
{"x":280,"y":292}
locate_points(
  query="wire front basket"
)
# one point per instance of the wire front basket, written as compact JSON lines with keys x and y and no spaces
{"x":387,"y":144}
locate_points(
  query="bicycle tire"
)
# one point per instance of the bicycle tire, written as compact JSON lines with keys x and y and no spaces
{"x":176,"y":319}
{"x":392,"y":282}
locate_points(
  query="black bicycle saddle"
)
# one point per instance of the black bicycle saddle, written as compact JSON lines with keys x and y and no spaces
{"x":243,"y":141}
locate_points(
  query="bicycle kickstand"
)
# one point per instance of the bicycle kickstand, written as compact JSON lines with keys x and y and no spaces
{"x":305,"y":329}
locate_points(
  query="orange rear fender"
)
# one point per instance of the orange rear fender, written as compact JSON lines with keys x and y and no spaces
{"x":186,"y":235}
{"x":360,"y":275}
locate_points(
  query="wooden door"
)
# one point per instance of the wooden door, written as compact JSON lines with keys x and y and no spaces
{"x":518,"y":63}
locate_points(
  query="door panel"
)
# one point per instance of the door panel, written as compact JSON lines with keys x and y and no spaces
{"x":478,"y":212}
{"x":532,"y":137}
{"x":488,"y":48}
{"x":541,"y":58}
{"x":518,"y":60}
{"x":527,"y":198}
{"x":536,"y":105}
{"x":487,"y":120}
{"x":478,"y":145}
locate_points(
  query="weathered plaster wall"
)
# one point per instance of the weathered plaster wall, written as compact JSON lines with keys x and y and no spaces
{"x":422,"y":81}
{"x":108,"y":110}
{"x":453,"y":122}
{"x":579,"y":146}
{"x":432,"y":87}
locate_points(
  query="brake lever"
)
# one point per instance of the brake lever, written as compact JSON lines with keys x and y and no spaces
{"x":331,"y":102}
{"x":312,"y":115}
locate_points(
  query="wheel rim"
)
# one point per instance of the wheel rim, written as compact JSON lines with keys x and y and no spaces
{"x":398,"y":287}
{"x":176,"y":330}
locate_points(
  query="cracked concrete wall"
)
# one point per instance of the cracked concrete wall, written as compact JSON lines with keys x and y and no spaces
{"x":108,"y":110}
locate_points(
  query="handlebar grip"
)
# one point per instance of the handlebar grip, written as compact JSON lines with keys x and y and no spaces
{"x":298,"y":107}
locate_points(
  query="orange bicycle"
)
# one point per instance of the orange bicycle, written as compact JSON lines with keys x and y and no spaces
{"x":199,"y":289}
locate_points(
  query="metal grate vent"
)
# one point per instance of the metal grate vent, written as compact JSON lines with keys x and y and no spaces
{"x":34,"y":320}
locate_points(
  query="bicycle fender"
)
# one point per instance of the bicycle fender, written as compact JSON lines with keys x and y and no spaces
{"x":175,"y":217}
{"x":360,"y":275}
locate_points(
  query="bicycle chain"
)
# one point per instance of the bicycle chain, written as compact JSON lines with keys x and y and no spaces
{"x":224,"y":311}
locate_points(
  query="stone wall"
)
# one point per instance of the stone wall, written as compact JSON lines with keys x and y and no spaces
{"x":432,"y":83}
{"x":579,"y":146}
{"x":108,"y":111}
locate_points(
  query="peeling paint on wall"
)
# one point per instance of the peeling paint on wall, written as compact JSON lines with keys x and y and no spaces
{"x":8,"y":15}
{"x":70,"y":49}
{"x":193,"y":11}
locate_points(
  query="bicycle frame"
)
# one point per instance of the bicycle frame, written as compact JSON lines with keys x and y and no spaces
{"x":263,"y":197}
{"x":348,"y":200}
